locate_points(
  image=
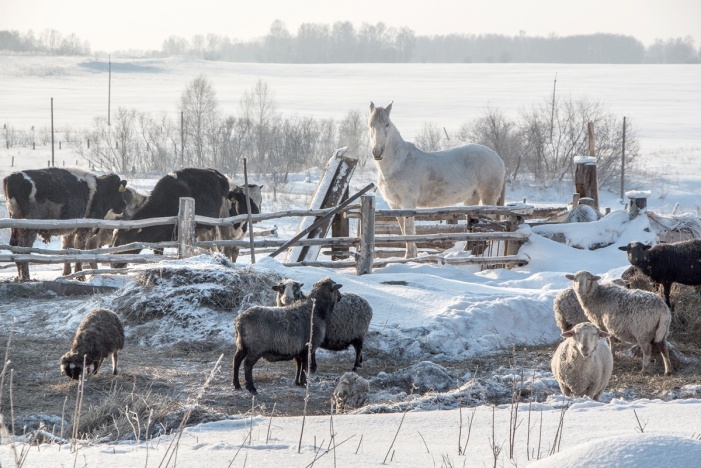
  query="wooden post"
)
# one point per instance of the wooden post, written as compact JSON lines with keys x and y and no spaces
{"x":366,"y":256}
{"x":637,"y":201}
{"x":186,"y":227}
{"x":248,"y":208}
{"x":340,"y":227}
{"x":590,"y":139}
{"x":585,"y":183}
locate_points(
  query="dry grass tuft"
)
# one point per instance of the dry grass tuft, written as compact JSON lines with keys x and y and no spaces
{"x":123,"y":414}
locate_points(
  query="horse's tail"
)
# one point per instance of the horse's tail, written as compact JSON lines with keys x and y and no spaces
{"x":502,"y":196}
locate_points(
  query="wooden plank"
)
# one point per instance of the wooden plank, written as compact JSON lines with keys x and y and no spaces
{"x":367,"y":236}
{"x":329,"y":193}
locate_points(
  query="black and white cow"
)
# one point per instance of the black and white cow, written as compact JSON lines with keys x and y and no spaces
{"x":237,"y":198}
{"x":208,"y":187}
{"x":57,"y":193}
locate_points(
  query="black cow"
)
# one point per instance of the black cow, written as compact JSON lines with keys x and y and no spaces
{"x":208,"y":187}
{"x":57,"y":193}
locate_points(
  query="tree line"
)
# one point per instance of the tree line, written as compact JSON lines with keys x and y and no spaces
{"x":49,"y":41}
{"x":342,"y":42}
{"x":378,"y":43}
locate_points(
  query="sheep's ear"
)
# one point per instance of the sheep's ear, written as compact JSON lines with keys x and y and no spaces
{"x":603,"y":334}
{"x":389,"y":108}
{"x":596,"y":278}
{"x":646,"y":247}
{"x":372,"y":106}
{"x":623,"y":248}
{"x":567,"y":334}
{"x":570,"y":277}
{"x":337,"y":286}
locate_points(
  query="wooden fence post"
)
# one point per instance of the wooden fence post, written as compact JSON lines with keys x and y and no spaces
{"x":186,"y":227}
{"x":367,"y":235}
{"x":585,"y":183}
{"x":637,"y":201}
{"x":340,"y":227}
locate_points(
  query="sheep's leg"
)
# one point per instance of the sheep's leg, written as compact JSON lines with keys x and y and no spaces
{"x":647,"y":355}
{"x":115,"y":358}
{"x":358,"y":345}
{"x":238,"y":358}
{"x":302,"y":362}
{"x":664,"y":351}
{"x":667,"y":289}
{"x":312,"y":368}
{"x":248,"y":364}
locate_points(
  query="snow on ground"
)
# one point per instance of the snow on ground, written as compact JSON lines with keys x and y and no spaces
{"x":439,"y":313}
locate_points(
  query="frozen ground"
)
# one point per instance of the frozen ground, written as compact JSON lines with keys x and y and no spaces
{"x":442,"y":314}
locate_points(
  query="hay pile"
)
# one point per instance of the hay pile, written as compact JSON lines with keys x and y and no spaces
{"x":192,"y":300}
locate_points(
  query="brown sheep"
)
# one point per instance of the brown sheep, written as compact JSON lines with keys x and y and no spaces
{"x":99,"y":335}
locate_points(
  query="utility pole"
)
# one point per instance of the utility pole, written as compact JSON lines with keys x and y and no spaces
{"x":623,"y":160}
{"x":182,"y":139}
{"x":109,"y":88}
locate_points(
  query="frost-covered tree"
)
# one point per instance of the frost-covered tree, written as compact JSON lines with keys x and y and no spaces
{"x":199,"y":106}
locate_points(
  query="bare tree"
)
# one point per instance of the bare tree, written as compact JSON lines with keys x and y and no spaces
{"x":431,"y":138}
{"x":258,"y":107}
{"x":199,"y":105}
{"x":494,"y":130}
{"x":353,"y":133}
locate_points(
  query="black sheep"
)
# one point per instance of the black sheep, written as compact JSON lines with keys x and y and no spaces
{"x":678,"y":262}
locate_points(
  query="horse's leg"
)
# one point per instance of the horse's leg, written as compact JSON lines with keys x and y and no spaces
{"x":410,"y":230}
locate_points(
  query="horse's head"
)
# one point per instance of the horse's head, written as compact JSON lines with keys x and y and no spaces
{"x":379,"y":125}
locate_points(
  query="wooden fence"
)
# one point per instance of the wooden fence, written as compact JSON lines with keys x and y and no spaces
{"x":363,"y":259}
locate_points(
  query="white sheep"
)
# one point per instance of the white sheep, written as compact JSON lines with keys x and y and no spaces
{"x":568,"y":311}
{"x":346,"y":326}
{"x":631,"y":316}
{"x":582,"y":364}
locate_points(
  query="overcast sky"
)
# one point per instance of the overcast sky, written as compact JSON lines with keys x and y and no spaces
{"x":143,"y":24}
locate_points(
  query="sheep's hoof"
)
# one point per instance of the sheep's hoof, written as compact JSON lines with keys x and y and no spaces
{"x":252,"y":389}
{"x":236,"y":385}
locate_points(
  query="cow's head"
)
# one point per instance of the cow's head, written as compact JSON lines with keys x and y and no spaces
{"x":110,"y":196}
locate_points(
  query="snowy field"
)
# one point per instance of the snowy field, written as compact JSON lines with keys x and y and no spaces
{"x":442,"y":313}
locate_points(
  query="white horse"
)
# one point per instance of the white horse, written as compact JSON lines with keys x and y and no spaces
{"x":410,"y":178}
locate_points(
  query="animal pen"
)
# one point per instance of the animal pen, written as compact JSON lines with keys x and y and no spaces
{"x":364,"y":258}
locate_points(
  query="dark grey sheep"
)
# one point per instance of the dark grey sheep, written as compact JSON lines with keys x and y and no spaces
{"x":347,"y":326}
{"x":631,"y":316}
{"x":99,"y":335}
{"x":678,"y":262}
{"x":283,"y":333}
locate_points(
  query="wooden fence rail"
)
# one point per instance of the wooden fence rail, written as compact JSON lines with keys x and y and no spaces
{"x":364,"y":257}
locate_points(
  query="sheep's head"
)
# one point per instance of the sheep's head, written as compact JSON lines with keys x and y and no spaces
{"x":288,"y":291}
{"x":326,"y":289}
{"x":637,"y":252}
{"x":583,"y":281}
{"x":586,"y":337}
{"x":72,"y":365}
